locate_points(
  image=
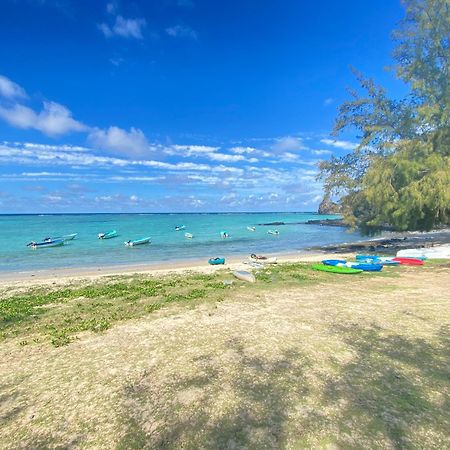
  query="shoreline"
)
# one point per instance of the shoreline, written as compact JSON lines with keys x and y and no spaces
{"x":388,"y":243}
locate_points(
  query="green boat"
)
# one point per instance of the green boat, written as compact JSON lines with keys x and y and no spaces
{"x":335,"y":269}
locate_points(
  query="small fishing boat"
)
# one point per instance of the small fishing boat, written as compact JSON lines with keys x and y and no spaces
{"x":132,"y":243}
{"x":251,"y":228}
{"x":46,"y":244}
{"x":180,"y":227}
{"x":108,"y":235}
{"x":216,"y":261}
{"x":66,"y":237}
{"x":188,"y":235}
{"x":336,"y":269}
{"x":244,"y":276}
{"x":273,"y":232}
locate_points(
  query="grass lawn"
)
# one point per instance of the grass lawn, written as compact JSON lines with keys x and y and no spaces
{"x":301,"y":359}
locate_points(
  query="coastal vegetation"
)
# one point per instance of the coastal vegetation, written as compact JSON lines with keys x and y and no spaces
{"x":399,"y":174}
{"x":300,"y":359}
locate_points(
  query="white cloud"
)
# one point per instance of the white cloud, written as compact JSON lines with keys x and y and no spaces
{"x":120,"y":141}
{"x":127,"y":28}
{"x":53,"y":120}
{"x":10,"y":90}
{"x":321,"y":152}
{"x":345,"y":145}
{"x":181,"y":32}
{"x":328,"y":101}
{"x":288,"y":144}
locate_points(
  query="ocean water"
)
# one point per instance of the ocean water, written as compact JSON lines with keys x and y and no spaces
{"x":167,"y":244}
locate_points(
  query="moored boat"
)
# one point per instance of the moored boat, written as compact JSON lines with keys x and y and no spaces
{"x":273,"y":232}
{"x":251,"y":228}
{"x":188,"y":235}
{"x":108,"y":235}
{"x":134,"y":242}
{"x":46,"y":244}
{"x":66,"y":237}
{"x":180,"y":227}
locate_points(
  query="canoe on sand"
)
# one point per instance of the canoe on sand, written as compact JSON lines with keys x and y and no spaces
{"x":409,"y":261}
{"x":336,"y":269}
{"x":244,"y":276}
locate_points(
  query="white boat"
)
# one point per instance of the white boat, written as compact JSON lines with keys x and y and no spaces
{"x":188,"y":235}
{"x":180,"y":227}
{"x":244,"y":276}
{"x":251,"y":228}
{"x":45,"y":244}
{"x":108,"y":235}
{"x":438,"y":252}
{"x":273,"y":232}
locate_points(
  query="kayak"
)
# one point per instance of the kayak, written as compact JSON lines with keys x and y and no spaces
{"x":66,"y":237}
{"x":263,"y":259}
{"x":383,"y":260}
{"x":45,"y":244}
{"x":409,"y":261}
{"x":216,"y":261}
{"x":251,"y":228}
{"x":180,"y":227}
{"x":188,"y":235}
{"x":366,"y":267}
{"x":244,"y":276}
{"x":336,"y":269}
{"x":333,"y":262}
{"x":108,"y":234}
{"x":132,"y":243}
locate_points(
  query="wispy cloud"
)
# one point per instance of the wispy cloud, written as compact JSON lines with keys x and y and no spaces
{"x":127,"y":28}
{"x":182,"y":31}
{"x":288,"y":144}
{"x":344,"y":145}
{"x":328,"y":101}
{"x":11,"y":90}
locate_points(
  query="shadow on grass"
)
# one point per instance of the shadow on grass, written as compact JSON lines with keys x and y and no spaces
{"x":244,"y":405}
{"x":395,"y":391}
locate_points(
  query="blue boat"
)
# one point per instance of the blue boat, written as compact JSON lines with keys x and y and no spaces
{"x":366,"y":267}
{"x":66,"y":237}
{"x":46,"y":244}
{"x":132,"y":243}
{"x":108,"y":235}
{"x":216,"y":261}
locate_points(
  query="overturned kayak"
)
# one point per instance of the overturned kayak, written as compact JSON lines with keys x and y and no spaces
{"x":46,"y":244}
{"x":409,"y":261}
{"x":216,"y":261}
{"x":132,"y":243}
{"x":180,"y":227}
{"x":188,"y":235}
{"x":336,"y":269}
{"x":108,"y":235}
{"x":365,"y":267}
{"x":244,"y":276}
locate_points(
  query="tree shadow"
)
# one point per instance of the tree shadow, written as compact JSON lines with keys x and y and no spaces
{"x":394,"y":392}
{"x":243,"y":406}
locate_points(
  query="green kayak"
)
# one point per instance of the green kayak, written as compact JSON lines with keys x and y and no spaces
{"x":335,"y":269}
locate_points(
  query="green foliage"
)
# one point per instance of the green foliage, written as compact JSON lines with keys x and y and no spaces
{"x":398,"y":176}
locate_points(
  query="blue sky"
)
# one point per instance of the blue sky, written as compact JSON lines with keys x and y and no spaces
{"x":179,"y":105}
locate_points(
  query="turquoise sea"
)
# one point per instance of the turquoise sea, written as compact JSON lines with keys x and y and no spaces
{"x":167,"y":244}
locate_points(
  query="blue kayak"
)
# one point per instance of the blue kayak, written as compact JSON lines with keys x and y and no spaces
{"x":216,"y":261}
{"x":366,"y":267}
{"x":334,"y":262}
{"x":375,"y":259}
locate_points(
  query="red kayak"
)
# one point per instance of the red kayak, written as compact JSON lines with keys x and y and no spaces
{"x":409,"y":261}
